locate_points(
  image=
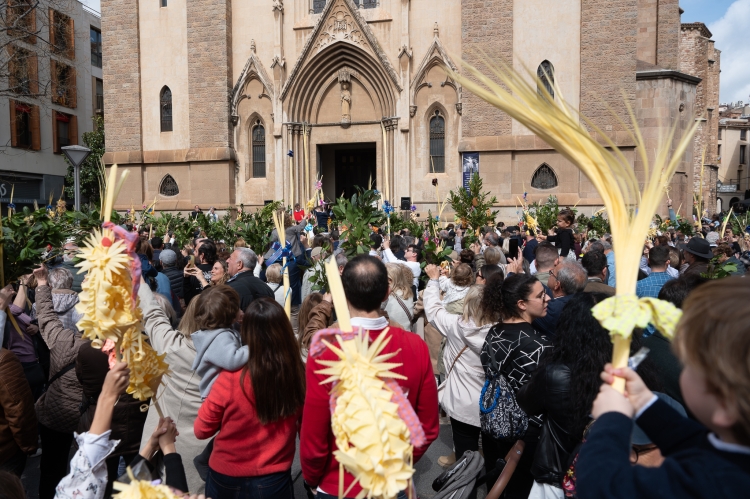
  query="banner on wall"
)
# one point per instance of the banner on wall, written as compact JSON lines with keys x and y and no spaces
{"x":470,"y":164}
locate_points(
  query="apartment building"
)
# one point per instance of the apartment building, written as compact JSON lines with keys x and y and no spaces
{"x":52,"y":91}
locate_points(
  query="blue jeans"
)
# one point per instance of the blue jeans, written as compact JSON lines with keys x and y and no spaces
{"x":274,"y":485}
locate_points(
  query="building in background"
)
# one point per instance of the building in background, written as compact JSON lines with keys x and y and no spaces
{"x":733,"y":185}
{"x":53,"y":90}
{"x":360,"y":90}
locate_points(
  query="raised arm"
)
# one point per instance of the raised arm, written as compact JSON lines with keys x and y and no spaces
{"x":156,"y":324}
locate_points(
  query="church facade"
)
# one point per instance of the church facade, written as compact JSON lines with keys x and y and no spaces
{"x":221,"y":103}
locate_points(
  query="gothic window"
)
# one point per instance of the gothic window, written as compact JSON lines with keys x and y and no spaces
{"x":168,"y":186}
{"x":166,"y":109}
{"x":544,"y":178}
{"x":546,"y":75}
{"x":318,"y":6}
{"x":437,"y":143}
{"x":259,"y":150}
{"x":368,"y":4}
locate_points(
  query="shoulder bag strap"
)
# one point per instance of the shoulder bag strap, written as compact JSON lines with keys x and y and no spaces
{"x":403,"y":306}
{"x":61,"y":373}
{"x":456,"y":360}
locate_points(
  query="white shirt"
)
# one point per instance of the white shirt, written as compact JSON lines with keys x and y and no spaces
{"x":415,"y":267}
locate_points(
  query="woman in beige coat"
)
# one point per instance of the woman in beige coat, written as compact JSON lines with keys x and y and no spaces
{"x":179,"y":396}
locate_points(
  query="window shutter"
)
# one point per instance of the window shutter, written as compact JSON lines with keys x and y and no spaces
{"x":71,"y":38}
{"x":33,"y":63}
{"x":12,"y":82}
{"x":52,"y":29}
{"x":72,"y":88}
{"x":32,"y":26}
{"x":53,"y":79}
{"x":55,"y":145}
{"x":36,"y":135}
{"x":13,"y":130}
{"x":73,"y":130}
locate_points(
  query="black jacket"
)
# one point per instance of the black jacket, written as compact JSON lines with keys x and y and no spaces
{"x":249,"y":288}
{"x":176,"y":277}
{"x":517,"y":348}
{"x":548,"y":393}
{"x":92,"y":366}
{"x":693,"y":467}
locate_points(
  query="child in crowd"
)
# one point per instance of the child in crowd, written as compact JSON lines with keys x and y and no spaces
{"x":707,"y":460}
{"x":456,"y":287}
{"x":218,"y":346}
{"x":564,"y":240}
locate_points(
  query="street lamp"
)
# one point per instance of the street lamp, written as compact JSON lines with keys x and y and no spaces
{"x":76,"y":155}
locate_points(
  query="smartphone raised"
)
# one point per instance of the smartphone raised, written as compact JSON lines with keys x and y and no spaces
{"x":191,"y":262}
{"x":513,"y":248}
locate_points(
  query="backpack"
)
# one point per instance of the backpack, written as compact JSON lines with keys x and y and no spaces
{"x":499,"y":413}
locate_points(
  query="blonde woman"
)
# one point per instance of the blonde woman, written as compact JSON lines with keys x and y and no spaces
{"x":465,"y":334}
{"x":400,"y":304}
{"x":219,"y":274}
{"x":273,"y":276}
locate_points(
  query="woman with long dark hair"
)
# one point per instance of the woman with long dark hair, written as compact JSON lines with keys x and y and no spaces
{"x":257,"y":409}
{"x":513,"y":348}
{"x":564,"y":387}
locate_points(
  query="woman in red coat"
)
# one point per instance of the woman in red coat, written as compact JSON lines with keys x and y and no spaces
{"x":256,"y":411}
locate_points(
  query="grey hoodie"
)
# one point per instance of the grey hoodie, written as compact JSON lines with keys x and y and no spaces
{"x":217,"y":350}
{"x":63,"y":303}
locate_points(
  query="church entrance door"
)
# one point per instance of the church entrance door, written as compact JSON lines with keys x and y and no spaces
{"x":348,"y":165}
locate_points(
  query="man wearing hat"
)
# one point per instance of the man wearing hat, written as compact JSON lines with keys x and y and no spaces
{"x":697,"y":255}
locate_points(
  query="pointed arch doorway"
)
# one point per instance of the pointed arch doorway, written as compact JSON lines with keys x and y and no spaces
{"x":346,"y":166}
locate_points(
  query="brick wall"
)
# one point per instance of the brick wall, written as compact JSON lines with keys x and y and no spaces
{"x":122,"y":76}
{"x":697,"y":52}
{"x":209,"y":40}
{"x":486,"y":25}
{"x":608,"y":55}
{"x":668,"y":49}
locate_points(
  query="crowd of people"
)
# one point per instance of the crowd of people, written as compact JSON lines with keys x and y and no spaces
{"x":512,"y":309}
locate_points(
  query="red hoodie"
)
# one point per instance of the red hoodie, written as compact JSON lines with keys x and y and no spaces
{"x":319,"y":466}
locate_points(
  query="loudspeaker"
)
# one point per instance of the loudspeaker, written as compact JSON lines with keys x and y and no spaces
{"x":406,"y":203}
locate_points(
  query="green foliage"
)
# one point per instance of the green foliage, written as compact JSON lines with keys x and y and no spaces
{"x":473,"y":207}
{"x":182,"y":227}
{"x":92,"y":171}
{"x":355,"y":217}
{"x":255,"y":228}
{"x":599,"y":225}
{"x":680,"y":224}
{"x":718,"y":270}
{"x":400,"y":222}
{"x":738,"y":222}
{"x":26,"y":235}
{"x":545,"y":214}
{"x":79,"y":224}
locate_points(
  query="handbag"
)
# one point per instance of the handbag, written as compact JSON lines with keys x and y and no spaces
{"x":441,"y":387}
{"x":499,"y":413}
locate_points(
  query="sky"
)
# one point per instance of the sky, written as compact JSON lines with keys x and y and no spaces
{"x":728,"y":21}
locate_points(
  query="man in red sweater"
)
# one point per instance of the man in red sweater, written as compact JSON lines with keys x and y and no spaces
{"x":365,"y":283}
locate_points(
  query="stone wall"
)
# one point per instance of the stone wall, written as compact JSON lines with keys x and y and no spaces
{"x":122,"y":75}
{"x":608,"y":55}
{"x":668,"y":38}
{"x":487,"y":26}
{"x":209,"y":39}
{"x":660,"y":103}
{"x":699,"y":58}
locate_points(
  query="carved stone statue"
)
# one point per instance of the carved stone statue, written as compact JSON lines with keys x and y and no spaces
{"x":346,"y":103}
